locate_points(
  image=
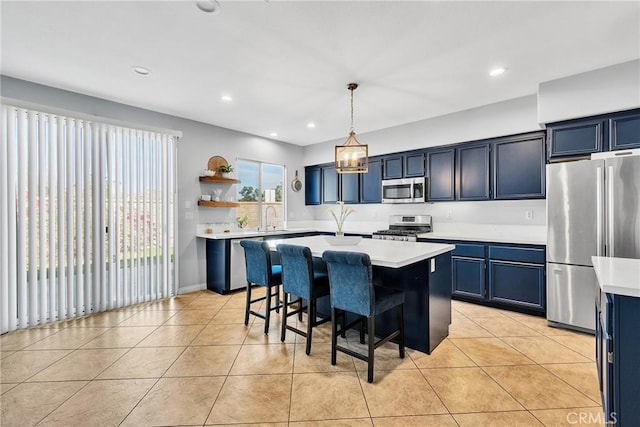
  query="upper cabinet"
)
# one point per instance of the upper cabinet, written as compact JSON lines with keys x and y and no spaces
{"x":312,"y":185}
{"x":408,"y":165}
{"x":519,"y":167}
{"x":581,"y":137}
{"x":350,"y":187}
{"x":392,"y":167}
{"x":576,"y":138}
{"x":624,"y":131}
{"x":371,"y":183}
{"x":472,"y":172}
{"x":330,"y":184}
{"x":441,"y":175}
{"x":414,"y":164}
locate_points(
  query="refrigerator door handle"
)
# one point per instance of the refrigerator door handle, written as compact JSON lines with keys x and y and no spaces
{"x":610,"y":217}
{"x":599,"y":208}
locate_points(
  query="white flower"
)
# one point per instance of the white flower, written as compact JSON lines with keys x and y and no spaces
{"x":342,"y":216}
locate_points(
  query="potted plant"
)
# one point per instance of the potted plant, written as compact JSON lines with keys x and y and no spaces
{"x":226,"y":170}
{"x":242,"y":221}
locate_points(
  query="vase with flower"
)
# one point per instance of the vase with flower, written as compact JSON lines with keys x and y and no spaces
{"x":340,"y":217}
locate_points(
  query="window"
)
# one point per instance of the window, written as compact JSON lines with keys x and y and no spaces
{"x":261,"y":195}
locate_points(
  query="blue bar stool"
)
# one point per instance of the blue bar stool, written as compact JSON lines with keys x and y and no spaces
{"x":352,"y":290}
{"x":257,"y":257}
{"x":301,"y":279}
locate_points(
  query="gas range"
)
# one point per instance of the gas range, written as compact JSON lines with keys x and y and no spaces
{"x":405,"y":228}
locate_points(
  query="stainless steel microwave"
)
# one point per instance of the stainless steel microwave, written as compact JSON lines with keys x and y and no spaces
{"x":408,"y":190}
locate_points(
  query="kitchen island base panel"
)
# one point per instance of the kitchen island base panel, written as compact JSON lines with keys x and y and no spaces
{"x":427,"y":307}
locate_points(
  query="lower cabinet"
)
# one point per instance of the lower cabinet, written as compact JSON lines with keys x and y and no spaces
{"x":617,"y":355}
{"x":501,"y":275}
{"x":225,"y":262}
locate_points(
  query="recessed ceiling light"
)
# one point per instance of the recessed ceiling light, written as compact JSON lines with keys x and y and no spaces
{"x":209,"y":6}
{"x":226,"y":98}
{"x":497,"y":71}
{"x":143,"y":71}
{"x":273,"y":134}
{"x":311,"y":125}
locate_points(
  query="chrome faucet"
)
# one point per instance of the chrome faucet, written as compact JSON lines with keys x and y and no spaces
{"x":266,"y":215}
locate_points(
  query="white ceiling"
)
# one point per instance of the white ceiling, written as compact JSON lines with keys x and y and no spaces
{"x":288,"y":62}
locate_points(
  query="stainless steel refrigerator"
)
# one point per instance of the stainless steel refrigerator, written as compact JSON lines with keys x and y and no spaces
{"x":593,"y":208}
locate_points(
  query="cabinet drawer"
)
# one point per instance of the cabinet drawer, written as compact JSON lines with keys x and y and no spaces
{"x":517,"y":284}
{"x":508,"y":253}
{"x":468,"y":250}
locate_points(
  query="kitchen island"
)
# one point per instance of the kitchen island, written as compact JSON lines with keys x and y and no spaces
{"x":421,"y":270}
{"x":617,"y":308}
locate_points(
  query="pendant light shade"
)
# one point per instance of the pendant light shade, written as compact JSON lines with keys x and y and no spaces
{"x":352,"y":156}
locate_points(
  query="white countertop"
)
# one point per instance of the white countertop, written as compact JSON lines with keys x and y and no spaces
{"x":619,"y":276}
{"x":524,"y":234}
{"x":246,"y":234}
{"x":518,"y":234}
{"x":384,"y":253}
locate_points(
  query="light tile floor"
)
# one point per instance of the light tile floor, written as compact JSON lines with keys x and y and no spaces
{"x":190,"y":360}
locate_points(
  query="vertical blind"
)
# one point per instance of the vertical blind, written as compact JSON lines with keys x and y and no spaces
{"x":87,"y":217}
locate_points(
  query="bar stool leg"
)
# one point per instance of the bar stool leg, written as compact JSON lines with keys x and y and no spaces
{"x":371,"y":338}
{"x":246,"y":313}
{"x":334,"y":336}
{"x":401,"y":327}
{"x":267,"y":313}
{"x":284,"y":318}
{"x":311,"y":315}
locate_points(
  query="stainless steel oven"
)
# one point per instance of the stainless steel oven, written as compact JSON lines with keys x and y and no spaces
{"x":408,"y":190}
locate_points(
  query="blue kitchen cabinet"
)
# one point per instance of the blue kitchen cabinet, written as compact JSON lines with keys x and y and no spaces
{"x":312,"y":185}
{"x":414,"y":165}
{"x":519,"y":167}
{"x":617,"y":355}
{"x":517,"y":276}
{"x":392,"y":167}
{"x":441,"y":175}
{"x":577,"y":138}
{"x":371,"y":183}
{"x":624,"y":131}
{"x":349,"y":187}
{"x":330,"y":185}
{"x":472,"y":172}
{"x":468,"y":270}
{"x":500,"y":275}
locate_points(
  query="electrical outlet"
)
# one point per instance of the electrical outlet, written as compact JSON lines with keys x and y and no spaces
{"x":528,"y":215}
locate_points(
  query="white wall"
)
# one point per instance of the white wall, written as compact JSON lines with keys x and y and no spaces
{"x":503,"y":118}
{"x":499,"y":119}
{"x":601,"y":91}
{"x":199,"y":142}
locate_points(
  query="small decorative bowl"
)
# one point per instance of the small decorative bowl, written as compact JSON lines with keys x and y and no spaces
{"x":343,"y":240}
{"x":209,"y":172}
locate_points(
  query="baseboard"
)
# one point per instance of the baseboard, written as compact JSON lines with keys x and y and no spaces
{"x":192,"y":288}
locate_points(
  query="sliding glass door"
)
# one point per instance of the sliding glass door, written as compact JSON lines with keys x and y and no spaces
{"x":86,"y":217}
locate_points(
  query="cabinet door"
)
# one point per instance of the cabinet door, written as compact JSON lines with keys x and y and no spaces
{"x":349,"y":187}
{"x":575,"y":139}
{"x":468,"y":277}
{"x":393,"y":167}
{"x":414,"y":165}
{"x":330,"y":188}
{"x":371,"y":183}
{"x":441,"y":176}
{"x":517,"y":284}
{"x":312,"y":179}
{"x":519,"y":168}
{"x":624,"y":131}
{"x":472,"y":172}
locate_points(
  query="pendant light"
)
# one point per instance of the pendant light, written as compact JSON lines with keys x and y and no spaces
{"x":352,"y":156}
